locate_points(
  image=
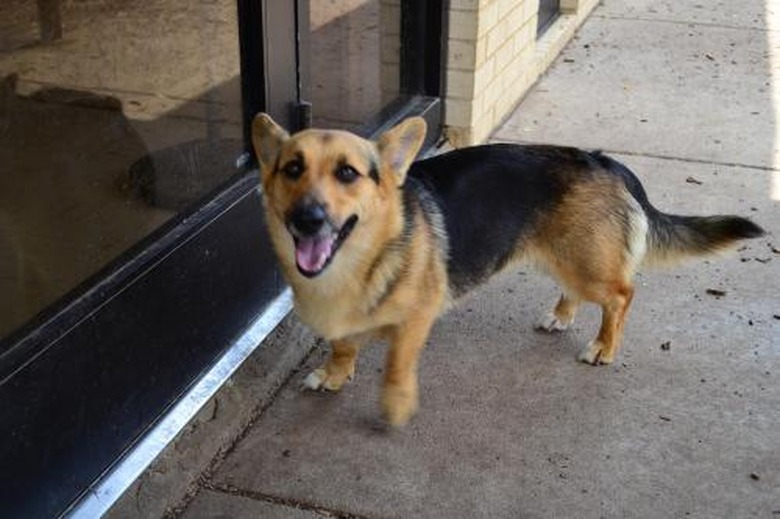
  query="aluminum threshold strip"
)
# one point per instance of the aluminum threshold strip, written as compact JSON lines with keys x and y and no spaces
{"x":107,"y":490}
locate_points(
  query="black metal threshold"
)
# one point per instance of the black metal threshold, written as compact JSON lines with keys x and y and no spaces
{"x":105,"y":491}
{"x":85,"y":381}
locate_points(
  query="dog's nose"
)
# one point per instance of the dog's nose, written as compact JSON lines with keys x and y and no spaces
{"x":308,"y":219}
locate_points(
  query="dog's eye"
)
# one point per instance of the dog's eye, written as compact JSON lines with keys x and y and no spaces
{"x":346,"y":174}
{"x":293,"y":170}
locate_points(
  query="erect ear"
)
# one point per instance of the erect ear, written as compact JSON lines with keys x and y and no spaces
{"x":399,"y":146}
{"x":267,"y":139}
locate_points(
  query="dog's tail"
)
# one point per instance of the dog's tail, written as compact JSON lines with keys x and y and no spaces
{"x":673,"y":238}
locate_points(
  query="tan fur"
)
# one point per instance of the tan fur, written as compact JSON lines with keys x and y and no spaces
{"x":347,"y":304}
{"x":350,"y":303}
{"x":391,"y":280}
{"x":594,"y":267}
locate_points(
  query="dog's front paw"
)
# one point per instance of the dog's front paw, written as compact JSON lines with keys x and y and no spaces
{"x":550,"y":323}
{"x":596,"y":353}
{"x":399,"y":404}
{"x":321,"y":380}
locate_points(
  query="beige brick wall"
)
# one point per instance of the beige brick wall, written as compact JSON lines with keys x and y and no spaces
{"x":493,"y":58}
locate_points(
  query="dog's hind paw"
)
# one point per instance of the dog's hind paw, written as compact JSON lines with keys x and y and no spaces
{"x":595,"y":353}
{"x":320,"y":380}
{"x":550,"y":323}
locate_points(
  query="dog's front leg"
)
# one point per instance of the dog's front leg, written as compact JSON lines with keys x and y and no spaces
{"x":399,"y":394}
{"x":339,"y":368}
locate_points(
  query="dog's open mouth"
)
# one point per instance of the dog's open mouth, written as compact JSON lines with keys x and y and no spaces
{"x":314,"y":253}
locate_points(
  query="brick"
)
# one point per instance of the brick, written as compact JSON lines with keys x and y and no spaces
{"x":479,"y":106}
{"x":463,"y":25}
{"x":522,"y":63}
{"x":493,"y":58}
{"x":515,"y":19}
{"x":496,"y":38}
{"x":530,"y":9}
{"x":512,"y":87}
{"x":525,"y":37}
{"x":506,"y":6}
{"x":462,"y":55}
{"x":465,"y":5}
{"x":506,"y":104}
{"x":490,"y":95}
{"x":504,"y":55}
{"x":488,"y":18}
{"x":484,"y":75}
{"x":481,"y":53}
{"x":460,"y":84}
{"x":459,"y":112}
{"x":483,"y":127}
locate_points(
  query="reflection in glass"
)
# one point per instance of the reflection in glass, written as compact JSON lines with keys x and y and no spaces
{"x":114,"y":116}
{"x":355,"y":57}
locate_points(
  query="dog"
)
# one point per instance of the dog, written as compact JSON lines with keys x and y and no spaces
{"x":377,"y":246}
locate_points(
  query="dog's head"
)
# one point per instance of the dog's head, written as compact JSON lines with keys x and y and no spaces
{"x":324,"y":188}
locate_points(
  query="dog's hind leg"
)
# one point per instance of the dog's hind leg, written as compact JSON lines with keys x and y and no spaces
{"x":615,"y":301}
{"x":339,"y":368}
{"x":562,"y":316}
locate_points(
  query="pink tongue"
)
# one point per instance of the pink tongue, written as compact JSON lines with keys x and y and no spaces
{"x":312,"y":253}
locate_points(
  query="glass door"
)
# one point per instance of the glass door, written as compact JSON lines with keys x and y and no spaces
{"x":131,"y":240}
{"x":366,"y":63}
{"x":116,"y":117}
{"x":354,"y":60}
{"x":133,"y":253}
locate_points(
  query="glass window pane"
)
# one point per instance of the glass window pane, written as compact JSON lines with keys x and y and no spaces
{"x":354,"y":60}
{"x":114,"y":116}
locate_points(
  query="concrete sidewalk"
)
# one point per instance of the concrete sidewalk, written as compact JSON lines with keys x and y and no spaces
{"x":685,"y":423}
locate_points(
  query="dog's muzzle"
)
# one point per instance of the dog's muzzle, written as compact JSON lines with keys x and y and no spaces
{"x":316,"y":237}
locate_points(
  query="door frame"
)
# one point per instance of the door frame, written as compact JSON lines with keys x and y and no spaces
{"x":422,"y":27}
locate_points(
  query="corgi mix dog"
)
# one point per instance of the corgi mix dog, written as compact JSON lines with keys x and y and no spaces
{"x":375,"y":246}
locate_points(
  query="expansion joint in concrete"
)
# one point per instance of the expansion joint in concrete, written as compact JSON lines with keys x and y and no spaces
{"x":660,"y":156}
{"x":204,"y":481}
{"x":282,"y":501}
{"x":687,"y":23}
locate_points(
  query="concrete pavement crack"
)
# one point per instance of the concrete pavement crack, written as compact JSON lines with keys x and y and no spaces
{"x":283,"y":501}
{"x":682,"y":22}
{"x":690,"y":160}
{"x":660,"y":156}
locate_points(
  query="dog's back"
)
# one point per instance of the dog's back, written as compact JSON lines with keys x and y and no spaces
{"x":505,"y":202}
{"x":491,"y":197}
